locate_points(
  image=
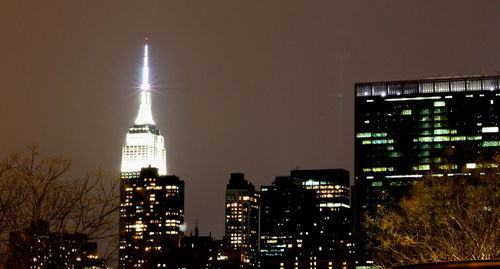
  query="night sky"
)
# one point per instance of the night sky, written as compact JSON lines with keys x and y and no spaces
{"x":258,"y":87}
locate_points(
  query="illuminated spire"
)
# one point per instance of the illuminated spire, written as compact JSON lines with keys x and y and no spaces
{"x":145,"y":116}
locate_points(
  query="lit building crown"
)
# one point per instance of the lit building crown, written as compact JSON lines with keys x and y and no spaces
{"x":144,"y":145}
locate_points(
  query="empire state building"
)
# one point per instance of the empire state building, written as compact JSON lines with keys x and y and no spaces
{"x":144,"y":145}
{"x":151,"y":202}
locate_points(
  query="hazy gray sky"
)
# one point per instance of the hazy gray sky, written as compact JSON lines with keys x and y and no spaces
{"x":258,"y":87}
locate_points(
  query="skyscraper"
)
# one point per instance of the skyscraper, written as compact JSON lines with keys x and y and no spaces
{"x":144,"y":145}
{"x":407,"y":129}
{"x":285,"y":224}
{"x":331,"y":234}
{"x":151,"y":203}
{"x":242,"y":220}
{"x":305,"y":221}
{"x":151,"y":215}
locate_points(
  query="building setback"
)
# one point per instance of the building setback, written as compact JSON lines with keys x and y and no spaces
{"x":407,"y":129}
{"x":144,"y":144}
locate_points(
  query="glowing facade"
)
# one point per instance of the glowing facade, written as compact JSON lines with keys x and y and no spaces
{"x":144,"y":145}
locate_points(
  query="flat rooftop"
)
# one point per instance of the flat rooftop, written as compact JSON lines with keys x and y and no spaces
{"x":428,"y":86}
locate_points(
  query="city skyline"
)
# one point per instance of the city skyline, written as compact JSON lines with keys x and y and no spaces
{"x":237,"y":88}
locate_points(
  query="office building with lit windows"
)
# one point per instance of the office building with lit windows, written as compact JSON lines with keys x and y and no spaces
{"x":242,"y":221}
{"x":151,"y":202}
{"x":407,"y":129}
{"x":331,"y":231}
{"x":285,"y":222}
{"x":151,"y":215}
{"x":37,"y":247}
{"x":306,"y":221}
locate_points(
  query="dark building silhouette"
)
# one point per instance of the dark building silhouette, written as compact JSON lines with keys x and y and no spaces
{"x":407,"y":129}
{"x":224,"y":257}
{"x":151,"y":215}
{"x":195,"y":251}
{"x":37,"y":247}
{"x":242,"y":221}
{"x":306,"y":221}
{"x":331,"y":235}
{"x":286,"y":213}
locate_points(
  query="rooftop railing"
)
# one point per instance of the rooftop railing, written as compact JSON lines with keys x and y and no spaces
{"x":397,"y":88}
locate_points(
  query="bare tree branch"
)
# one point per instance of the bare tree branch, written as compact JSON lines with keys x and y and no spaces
{"x":442,"y":219}
{"x":33,"y":189}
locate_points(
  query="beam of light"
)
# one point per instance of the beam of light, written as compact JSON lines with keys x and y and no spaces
{"x":144,"y":145}
{"x":145,"y":86}
{"x":145,"y":116}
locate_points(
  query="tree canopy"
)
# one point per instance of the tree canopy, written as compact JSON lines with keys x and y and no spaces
{"x":445,"y":217}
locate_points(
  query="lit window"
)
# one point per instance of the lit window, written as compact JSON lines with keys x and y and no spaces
{"x":425,"y":111}
{"x":439,"y":103}
{"x":394,"y":154}
{"x":379,"y":135}
{"x":470,"y":166}
{"x":490,"y":144}
{"x":493,"y":129}
{"x":441,"y":131}
{"x":422,"y":167}
{"x":363,"y":135}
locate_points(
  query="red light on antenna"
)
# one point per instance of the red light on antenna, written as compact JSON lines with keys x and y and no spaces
{"x":146,"y":38}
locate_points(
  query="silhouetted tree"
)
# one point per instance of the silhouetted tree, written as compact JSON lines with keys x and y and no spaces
{"x":34,"y":189}
{"x":447,"y":216}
